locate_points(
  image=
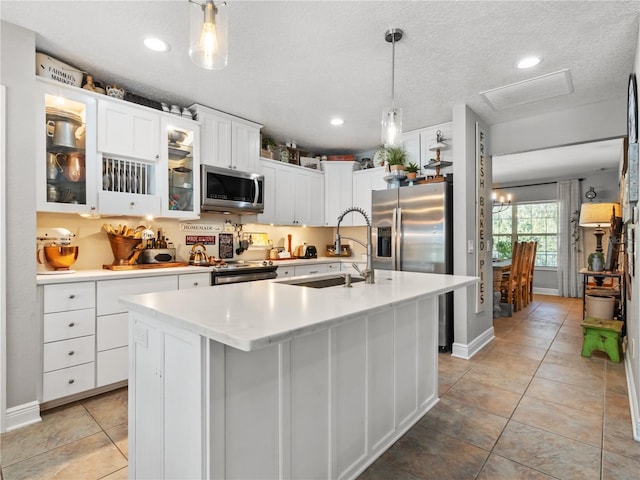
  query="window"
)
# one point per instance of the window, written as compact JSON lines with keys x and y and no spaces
{"x":526,"y":222}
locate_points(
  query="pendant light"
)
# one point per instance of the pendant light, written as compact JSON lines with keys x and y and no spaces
{"x":208,"y":34}
{"x":392,"y":116}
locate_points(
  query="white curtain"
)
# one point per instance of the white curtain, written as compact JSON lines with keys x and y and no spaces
{"x":569,"y":281}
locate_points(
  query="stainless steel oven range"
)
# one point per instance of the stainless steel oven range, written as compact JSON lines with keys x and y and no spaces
{"x":243,"y":271}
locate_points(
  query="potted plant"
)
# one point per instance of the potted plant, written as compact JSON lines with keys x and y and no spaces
{"x":412,"y":170}
{"x":396,"y":157}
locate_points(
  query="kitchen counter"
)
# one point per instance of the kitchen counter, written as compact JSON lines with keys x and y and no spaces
{"x":253,"y":315}
{"x":105,"y":274}
{"x":307,"y":383}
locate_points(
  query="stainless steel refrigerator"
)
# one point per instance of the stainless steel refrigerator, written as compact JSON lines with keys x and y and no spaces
{"x":413,"y":231}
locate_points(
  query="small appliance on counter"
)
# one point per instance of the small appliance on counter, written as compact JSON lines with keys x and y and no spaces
{"x":157,"y":255}
{"x":54,"y":253}
{"x":306,"y":251}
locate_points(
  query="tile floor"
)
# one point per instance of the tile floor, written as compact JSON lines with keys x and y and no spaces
{"x":527,"y":406}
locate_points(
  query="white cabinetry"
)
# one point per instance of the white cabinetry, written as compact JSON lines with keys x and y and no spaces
{"x":311,"y":269}
{"x":111,"y":320}
{"x":194,"y":280}
{"x":417,"y":144}
{"x":128,"y":131}
{"x":338,"y":191}
{"x":66,"y":156}
{"x":365,"y":182}
{"x":293,"y":195}
{"x":228,"y":141}
{"x":69,"y":339}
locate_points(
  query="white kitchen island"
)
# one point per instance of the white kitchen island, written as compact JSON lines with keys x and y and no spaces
{"x":268,"y":380}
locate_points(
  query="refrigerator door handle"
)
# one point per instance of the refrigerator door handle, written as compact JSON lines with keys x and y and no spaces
{"x":393,"y":239}
{"x":398,"y":239}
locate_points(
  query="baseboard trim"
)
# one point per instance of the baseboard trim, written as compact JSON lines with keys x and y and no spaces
{"x":461,"y":350}
{"x":547,"y":291}
{"x":23,"y":415}
{"x":633,"y":400}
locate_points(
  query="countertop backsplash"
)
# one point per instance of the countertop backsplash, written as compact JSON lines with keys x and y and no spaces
{"x":95,"y":250}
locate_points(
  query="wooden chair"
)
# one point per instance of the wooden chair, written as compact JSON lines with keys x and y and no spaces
{"x":531,"y":270}
{"x":509,"y":283}
{"x":522,"y":279}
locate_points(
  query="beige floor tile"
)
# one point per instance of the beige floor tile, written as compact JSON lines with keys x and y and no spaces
{"x":572,"y":376}
{"x":580,"y":425}
{"x":122,"y":474}
{"x":485,"y":397}
{"x":616,"y":378}
{"x":119,"y":436}
{"x":381,"y":469}
{"x":549,"y":453}
{"x":570,"y":345}
{"x":616,"y":467}
{"x":618,"y":438}
{"x":88,"y":458}
{"x":58,"y":427}
{"x":547,"y":316}
{"x":109,"y":409}
{"x":497,"y":358}
{"x":521,"y":351}
{"x":429,"y":454}
{"x":511,"y":380}
{"x":530,"y":340}
{"x":571,"y":330}
{"x":568,"y":395}
{"x":616,"y":407}
{"x":499,"y":468}
{"x":464,"y":422}
{"x":595,"y":363}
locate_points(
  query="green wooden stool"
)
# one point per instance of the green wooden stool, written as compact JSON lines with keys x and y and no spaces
{"x":602,"y":335}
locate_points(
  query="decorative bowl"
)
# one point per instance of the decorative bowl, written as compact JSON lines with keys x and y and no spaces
{"x":60,"y":257}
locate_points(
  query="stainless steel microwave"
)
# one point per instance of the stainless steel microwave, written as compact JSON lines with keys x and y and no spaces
{"x":226,"y":190}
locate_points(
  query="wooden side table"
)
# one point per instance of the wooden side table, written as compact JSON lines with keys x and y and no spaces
{"x":617,"y":290}
{"x":602,"y":335}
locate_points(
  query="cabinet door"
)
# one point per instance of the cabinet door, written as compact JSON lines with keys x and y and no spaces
{"x":411,"y":143}
{"x":338,"y":191}
{"x":269,"y":171}
{"x":245,"y":148}
{"x":364,"y":182}
{"x":128,"y":131}
{"x":66,"y":167}
{"x":108,"y":292}
{"x":302,"y":200}
{"x":285,"y":196}
{"x":194,"y":280}
{"x":285,"y":271}
{"x":311,"y":269}
{"x":215,"y":139}
{"x":180,"y":168}
{"x":316,"y":199}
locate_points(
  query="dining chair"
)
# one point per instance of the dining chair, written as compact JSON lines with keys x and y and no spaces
{"x":523,"y":279}
{"x":532,"y":268}
{"x":509,"y":283}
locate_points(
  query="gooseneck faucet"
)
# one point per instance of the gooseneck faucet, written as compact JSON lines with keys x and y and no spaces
{"x":368,"y":273}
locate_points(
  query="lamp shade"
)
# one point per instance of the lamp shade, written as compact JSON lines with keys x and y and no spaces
{"x":391,"y":126}
{"x":208,"y":34}
{"x":597,"y":214}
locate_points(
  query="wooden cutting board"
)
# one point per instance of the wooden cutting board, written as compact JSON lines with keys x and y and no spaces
{"x":145,"y":265}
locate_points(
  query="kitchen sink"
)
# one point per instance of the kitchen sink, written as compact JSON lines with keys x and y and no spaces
{"x":322,"y":282}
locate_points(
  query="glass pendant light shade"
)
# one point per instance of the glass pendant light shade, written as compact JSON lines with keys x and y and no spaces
{"x":391,"y":125}
{"x":208,"y":47}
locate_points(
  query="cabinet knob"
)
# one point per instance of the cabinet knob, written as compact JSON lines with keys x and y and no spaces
{"x":195,"y":284}
{"x":71,"y":352}
{"x":157,"y":157}
{"x":93,"y":208}
{"x":72,"y":296}
{"x":71,"y":381}
{"x":72,"y":324}
{"x":132,"y":203}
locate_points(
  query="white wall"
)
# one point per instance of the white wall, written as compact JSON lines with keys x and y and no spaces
{"x":597,"y":121}
{"x":23,"y":325}
{"x":469,"y":326}
{"x":633,"y":313}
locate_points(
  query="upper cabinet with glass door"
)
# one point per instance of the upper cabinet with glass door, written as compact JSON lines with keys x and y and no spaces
{"x":66,"y":153}
{"x":182,"y":154}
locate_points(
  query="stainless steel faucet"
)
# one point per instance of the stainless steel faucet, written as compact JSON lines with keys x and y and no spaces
{"x":368,"y":274}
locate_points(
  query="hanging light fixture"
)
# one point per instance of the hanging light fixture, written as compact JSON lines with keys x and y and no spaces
{"x":499,"y":204}
{"x":392,"y":116}
{"x":208,"y":34}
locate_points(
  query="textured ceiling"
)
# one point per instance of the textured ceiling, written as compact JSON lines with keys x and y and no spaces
{"x":293,"y":65}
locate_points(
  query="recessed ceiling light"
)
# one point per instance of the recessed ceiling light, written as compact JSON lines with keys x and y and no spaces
{"x":528,"y":62}
{"x":155,"y":44}
{"x":337,"y":121}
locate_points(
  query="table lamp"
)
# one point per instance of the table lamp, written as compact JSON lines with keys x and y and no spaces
{"x":595,"y":215}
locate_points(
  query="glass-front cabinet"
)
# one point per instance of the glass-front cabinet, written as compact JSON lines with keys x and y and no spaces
{"x":66,"y":161}
{"x":183,"y":167}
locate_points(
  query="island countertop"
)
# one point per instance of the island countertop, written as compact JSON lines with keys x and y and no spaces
{"x":252,"y":315}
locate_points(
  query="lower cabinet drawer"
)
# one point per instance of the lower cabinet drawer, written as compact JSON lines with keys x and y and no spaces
{"x":194,"y":280}
{"x":113,"y":331}
{"x":68,"y":381}
{"x":113,"y":366}
{"x":67,"y":353}
{"x":73,"y":324}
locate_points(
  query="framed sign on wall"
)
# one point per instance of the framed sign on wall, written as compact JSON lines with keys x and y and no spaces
{"x":483,"y":215}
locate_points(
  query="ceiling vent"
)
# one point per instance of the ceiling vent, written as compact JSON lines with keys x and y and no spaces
{"x":529,"y":91}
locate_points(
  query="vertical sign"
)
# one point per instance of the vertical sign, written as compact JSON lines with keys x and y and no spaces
{"x":482,"y":190}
